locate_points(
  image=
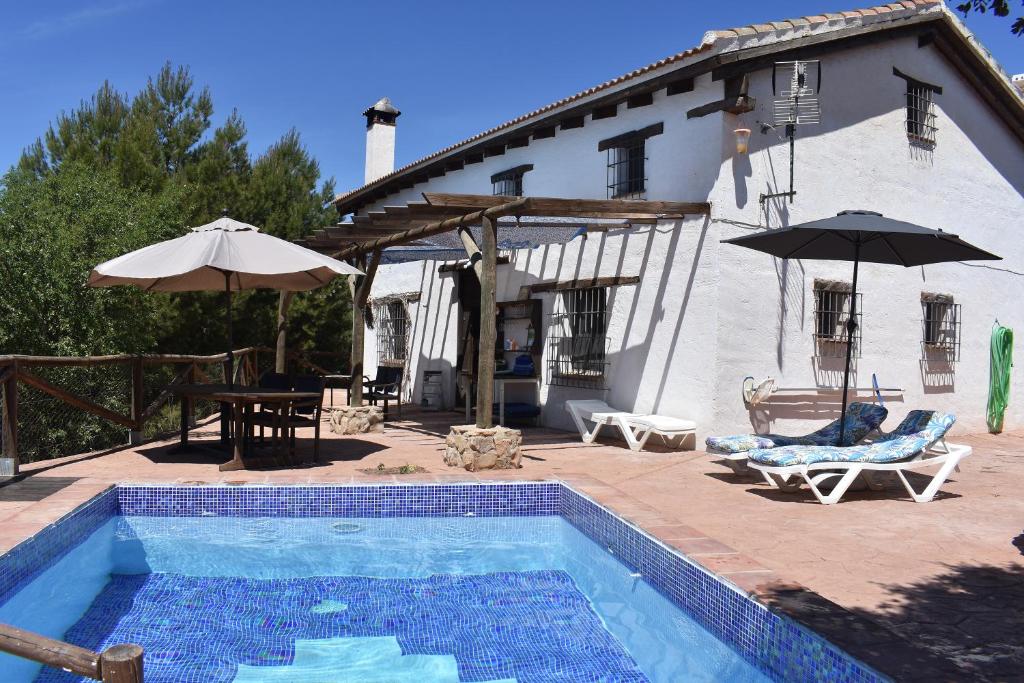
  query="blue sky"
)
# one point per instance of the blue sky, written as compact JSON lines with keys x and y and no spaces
{"x":453,"y":68}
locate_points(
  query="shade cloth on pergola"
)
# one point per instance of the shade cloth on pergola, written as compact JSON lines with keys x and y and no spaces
{"x":476,"y":226}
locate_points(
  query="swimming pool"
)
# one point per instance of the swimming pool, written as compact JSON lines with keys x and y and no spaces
{"x":462,"y":582}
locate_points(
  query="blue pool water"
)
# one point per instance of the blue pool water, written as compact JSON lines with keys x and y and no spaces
{"x":365,"y":599}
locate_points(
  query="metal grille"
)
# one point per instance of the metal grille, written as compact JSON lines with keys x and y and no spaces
{"x":392,"y":325}
{"x":577,"y":340}
{"x":510,"y":185}
{"x":831,"y":314}
{"x":626,"y":171}
{"x":920,"y":113}
{"x":940,"y":322}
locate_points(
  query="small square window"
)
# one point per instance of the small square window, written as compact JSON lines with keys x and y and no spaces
{"x":940,"y":321}
{"x":831,"y":316}
{"x":627,"y":170}
{"x":510,"y":183}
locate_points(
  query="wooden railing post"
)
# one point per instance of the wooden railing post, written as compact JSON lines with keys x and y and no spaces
{"x":10,"y":426}
{"x":138,"y":402}
{"x":121,"y":664}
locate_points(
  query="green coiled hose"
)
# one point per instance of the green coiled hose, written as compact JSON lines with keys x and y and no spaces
{"x":999,"y":376}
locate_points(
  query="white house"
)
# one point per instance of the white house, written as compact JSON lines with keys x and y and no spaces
{"x":917,"y":121}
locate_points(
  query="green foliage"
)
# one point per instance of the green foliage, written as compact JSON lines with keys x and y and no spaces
{"x":1000,"y":8}
{"x":118,"y":173}
{"x":52,"y":232}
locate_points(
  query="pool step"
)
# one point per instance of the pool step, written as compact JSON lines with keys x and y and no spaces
{"x":355,"y":660}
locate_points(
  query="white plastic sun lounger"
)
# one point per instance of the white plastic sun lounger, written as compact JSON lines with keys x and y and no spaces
{"x":636,"y":428}
{"x":786,"y":467}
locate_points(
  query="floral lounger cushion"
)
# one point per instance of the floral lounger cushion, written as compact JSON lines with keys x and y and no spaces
{"x":861,"y":419}
{"x":920,"y":429}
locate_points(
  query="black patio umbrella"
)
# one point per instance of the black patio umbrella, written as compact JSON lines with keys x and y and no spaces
{"x":862,"y":236}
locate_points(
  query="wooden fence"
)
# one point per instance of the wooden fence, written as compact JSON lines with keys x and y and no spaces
{"x":131,"y":391}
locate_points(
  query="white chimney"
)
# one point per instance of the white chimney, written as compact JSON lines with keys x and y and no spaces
{"x":380,"y":139}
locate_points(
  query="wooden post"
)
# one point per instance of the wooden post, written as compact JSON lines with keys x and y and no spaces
{"x":121,"y":664}
{"x":284,"y":300}
{"x":360,"y":287}
{"x":138,"y":405}
{"x":488,"y":304}
{"x":472,"y":251}
{"x":10,"y":436}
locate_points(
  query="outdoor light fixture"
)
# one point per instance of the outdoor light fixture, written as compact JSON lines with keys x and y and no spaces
{"x":742,"y":140}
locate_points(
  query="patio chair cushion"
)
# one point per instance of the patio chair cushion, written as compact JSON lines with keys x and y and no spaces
{"x":861,"y":420}
{"x":932,"y":426}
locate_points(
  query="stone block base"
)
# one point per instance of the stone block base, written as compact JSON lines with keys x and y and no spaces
{"x":356,"y":420}
{"x":474,"y":449}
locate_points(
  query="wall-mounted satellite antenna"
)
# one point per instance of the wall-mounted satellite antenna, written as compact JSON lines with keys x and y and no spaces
{"x":796,"y":86}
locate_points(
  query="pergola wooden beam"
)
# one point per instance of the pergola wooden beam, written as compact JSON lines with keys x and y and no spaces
{"x":585,"y":208}
{"x":430,"y":229}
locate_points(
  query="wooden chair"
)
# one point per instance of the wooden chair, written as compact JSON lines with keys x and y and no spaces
{"x":267,"y":415}
{"x":307,"y":413}
{"x":386,"y":387}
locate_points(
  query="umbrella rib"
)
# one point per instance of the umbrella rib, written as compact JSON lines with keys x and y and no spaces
{"x":804,"y":245}
{"x":895,"y":253}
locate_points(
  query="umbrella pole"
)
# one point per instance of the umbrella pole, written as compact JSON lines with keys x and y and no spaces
{"x":231,"y":340}
{"x":851,"y":325}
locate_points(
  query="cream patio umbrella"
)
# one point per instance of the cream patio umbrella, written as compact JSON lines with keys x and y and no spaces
{"x":223,"y":255}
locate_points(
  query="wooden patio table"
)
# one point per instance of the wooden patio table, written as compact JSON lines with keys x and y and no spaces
{"x":240,"y":399}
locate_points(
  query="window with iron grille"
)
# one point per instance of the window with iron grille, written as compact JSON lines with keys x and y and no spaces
{"x":578,"y":338}
{"x":831,"y":315}
{"x":510,"y":183}
{"x":627,"y":162}
{"x":392,"y":325}
{"x":920,"y":113}
{"x":940,"y":320}
{"x":627,"y":166}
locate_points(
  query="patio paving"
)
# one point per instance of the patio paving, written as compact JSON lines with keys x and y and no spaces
{"x":922,"y":591}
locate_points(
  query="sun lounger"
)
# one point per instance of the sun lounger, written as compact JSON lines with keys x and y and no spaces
{"x":636,"y":428}
{"x":917,"y":443}
{"x":862,"y":419}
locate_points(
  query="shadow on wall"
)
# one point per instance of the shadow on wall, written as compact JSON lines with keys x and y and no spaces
{"x":430,"y":332}
{"x":830,"y":369}
{"x":628,"y":362}
{"x":938,"y":371}
{"x":806,"y":406}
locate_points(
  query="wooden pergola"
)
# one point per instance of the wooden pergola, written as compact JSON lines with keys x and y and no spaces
{"x":363,"y":240}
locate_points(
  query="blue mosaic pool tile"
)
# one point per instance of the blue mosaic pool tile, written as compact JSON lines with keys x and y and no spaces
{"x":385,"y":500}
{"x":529,"y":626}
{"x":776,"y":644}
{"x":32,"y":556}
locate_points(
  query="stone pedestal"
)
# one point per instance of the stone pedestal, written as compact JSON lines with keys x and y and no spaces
{"x":356,"y":420}
{"x":474,"y":449}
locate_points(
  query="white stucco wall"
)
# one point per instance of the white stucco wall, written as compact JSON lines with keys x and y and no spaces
{"x":705,"y":315}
